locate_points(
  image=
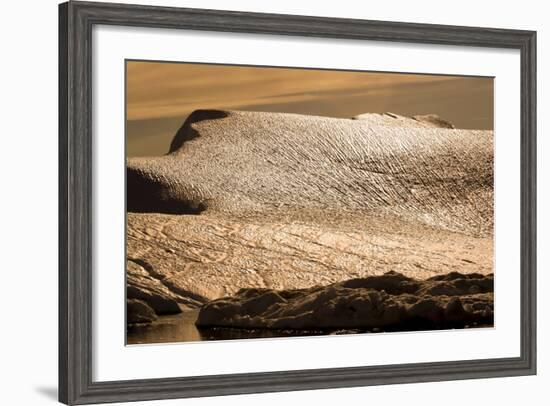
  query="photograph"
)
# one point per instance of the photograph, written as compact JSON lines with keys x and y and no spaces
{"x":274,"y":202}
{"x":268,"y":202}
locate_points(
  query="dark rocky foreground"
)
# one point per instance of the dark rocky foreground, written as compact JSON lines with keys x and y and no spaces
{"x":388,"y":302}
{"x":139,"y":312}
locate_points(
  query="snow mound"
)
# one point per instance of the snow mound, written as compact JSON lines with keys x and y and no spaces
{"x":240,"y":162}
{"x":395,"y":120}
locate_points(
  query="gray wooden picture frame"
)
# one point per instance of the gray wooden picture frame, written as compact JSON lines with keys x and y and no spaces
{"x":76,"y":20}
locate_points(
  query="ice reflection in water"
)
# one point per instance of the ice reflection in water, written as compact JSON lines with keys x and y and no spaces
{"x":181,"y":328}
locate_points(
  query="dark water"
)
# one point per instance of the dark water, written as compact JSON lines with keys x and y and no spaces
{"x":181,"y":328}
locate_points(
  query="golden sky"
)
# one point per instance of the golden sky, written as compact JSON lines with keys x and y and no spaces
{"x":161,"y":95}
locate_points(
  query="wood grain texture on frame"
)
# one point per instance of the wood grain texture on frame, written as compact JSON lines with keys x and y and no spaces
{"x":75,"y":202}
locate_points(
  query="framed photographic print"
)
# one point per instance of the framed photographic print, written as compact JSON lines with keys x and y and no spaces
{"x":257,"y":202}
